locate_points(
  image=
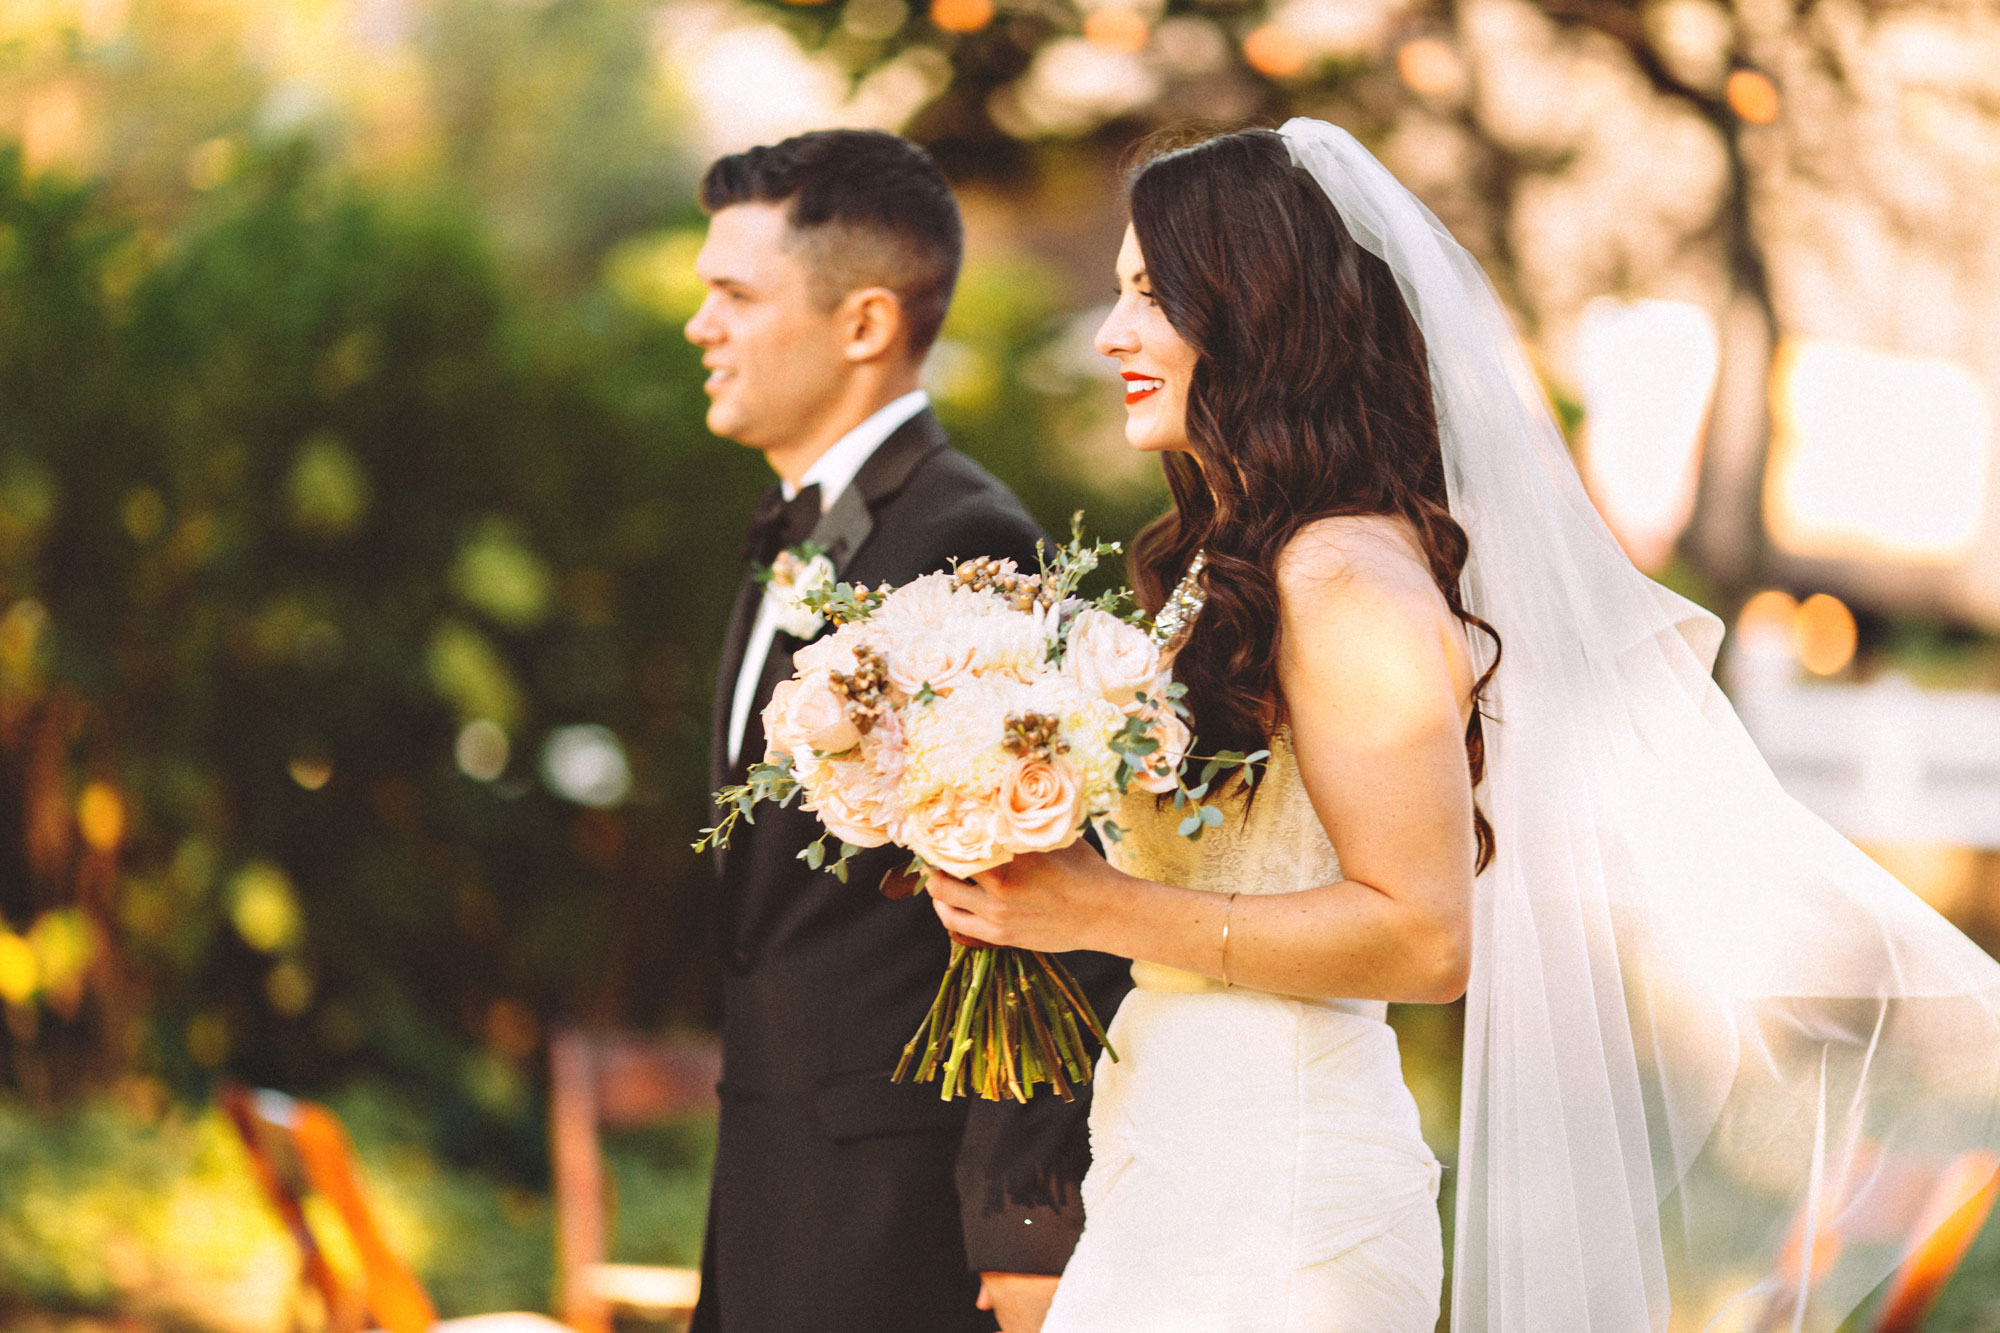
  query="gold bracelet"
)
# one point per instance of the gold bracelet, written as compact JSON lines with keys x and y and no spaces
{"x":1228,"y":912}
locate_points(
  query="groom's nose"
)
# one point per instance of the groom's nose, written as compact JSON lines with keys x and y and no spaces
{"x":702,"y":329}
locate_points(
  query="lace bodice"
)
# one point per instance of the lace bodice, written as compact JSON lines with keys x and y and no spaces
{"x":1278,"y":847}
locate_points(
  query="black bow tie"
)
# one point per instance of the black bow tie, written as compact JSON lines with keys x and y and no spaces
{"x":777,"y":523}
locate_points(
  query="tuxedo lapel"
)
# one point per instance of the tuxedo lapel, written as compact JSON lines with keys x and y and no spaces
{"x":842,"y":531}
{"x":845,"y":528}
{"x":734,"y":645}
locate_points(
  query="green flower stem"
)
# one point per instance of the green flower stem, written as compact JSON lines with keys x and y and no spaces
{"x":961,"y":1034}
{"x":1004,"y":1022}
{"x":1078,"y":1005}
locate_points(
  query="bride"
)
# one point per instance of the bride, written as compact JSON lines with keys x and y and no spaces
{"x":1720,"y":1071}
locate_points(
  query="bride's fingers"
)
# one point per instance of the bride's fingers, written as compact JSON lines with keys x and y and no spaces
{"x":951,"y":889}
{"x":963,"y":923}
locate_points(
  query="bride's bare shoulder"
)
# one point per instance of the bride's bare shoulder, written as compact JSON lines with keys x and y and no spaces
{"x":1366,"y":632}
{"x":1357,"y":559}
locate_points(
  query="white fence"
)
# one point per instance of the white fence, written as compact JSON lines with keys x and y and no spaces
{"x":1884,"y":762}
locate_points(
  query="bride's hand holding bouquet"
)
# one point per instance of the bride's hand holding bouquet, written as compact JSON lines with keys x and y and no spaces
{"x":1051,"y":902}
{"x":982,"y":719}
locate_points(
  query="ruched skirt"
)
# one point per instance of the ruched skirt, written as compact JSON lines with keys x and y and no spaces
{"x":1257,"y":1167}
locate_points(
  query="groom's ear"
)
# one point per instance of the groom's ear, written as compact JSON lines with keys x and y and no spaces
{"x":872,"y":326}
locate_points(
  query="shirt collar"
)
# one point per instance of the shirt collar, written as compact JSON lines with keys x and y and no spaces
{"x":834,"y":469}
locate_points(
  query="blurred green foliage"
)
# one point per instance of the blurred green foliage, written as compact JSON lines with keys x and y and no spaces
{"x":288,"y":498}
{"x":293,"y":498}
{"x":110,"y":1209}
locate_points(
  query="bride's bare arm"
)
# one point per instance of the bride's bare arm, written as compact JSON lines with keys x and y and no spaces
{"x":1375,"y":676}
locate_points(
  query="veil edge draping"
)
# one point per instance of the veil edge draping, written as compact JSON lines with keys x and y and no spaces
{"x":1721,"y":1071}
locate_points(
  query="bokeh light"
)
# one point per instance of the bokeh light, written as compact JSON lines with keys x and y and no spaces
{"x":1876,"y":454}
{"x":482,"y":750}
{"x":310,"y":771}
{"x":1752,"y":96}
{"x":961,"y":15}
{"x":100,"y":816}
{"x":586,"y":764}
{"x":19,"y":972}
{"x":1276,"y":52}
{"x":1430,"y":66}
{"x":1116,"y":28}
{"x":1824,"y":634}
{"x":264,"y":908}
{"x":65,"y":942}
{"x":1648,"y":371}
{"x":288,"y":986}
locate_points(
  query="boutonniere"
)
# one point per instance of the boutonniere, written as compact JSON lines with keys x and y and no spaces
{"x":796,"y":575}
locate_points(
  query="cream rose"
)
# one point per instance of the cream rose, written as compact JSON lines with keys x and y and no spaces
{"x":779,"y":737}
{"x":1039,"y":807}
{"x":1163,"y":764}
{"x":809,"y":717}
{"x":833,"y":653}
{"x":1111,"y":658}
{"x":856,"y":801}
{"x":953,"y":832}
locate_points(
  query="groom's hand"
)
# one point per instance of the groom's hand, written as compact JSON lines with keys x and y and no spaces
{"x":1019,"y":1300}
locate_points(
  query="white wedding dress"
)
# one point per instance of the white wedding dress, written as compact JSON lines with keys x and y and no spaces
{"x":1257,"y":1165}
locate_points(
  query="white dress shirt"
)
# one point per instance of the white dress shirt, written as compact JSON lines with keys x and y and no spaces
{"x":831,"y":472}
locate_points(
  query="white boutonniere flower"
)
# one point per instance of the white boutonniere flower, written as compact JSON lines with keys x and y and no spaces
{"x":799,"y":573}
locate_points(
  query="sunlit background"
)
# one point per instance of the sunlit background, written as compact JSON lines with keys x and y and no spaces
{"x":358,"y":587}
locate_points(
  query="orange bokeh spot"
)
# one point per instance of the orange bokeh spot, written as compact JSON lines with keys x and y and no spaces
{"x":1824,"y":634}
{"x":1769,"y":611}
{"x":1752,"y":96}
{"x":100,"y":817}
{"x":1117,"y":28}
{"x":961,"y":15}
{"x":1429,"y":66}
{"x":1274,"y":52}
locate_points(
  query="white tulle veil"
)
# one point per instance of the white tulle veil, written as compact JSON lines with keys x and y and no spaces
{"x":1721,"y":1071}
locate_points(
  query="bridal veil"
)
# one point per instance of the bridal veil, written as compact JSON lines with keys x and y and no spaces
{"x":1721,"y":1071}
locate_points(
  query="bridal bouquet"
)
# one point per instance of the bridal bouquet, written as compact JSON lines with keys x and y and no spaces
{"x":970,"y":716}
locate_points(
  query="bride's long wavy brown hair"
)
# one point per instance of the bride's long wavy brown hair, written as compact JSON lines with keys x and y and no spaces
{"x":1311,"y":397}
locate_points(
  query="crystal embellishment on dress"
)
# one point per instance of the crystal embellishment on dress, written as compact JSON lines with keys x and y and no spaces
{"x":1176,"y":618}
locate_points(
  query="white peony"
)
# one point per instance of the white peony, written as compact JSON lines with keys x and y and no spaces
{"x":1013,"y":643}
{"x":857,"y":796}
{"x":957,"y":741}
{"x":833,"y":653}
{"x":922,"y":603}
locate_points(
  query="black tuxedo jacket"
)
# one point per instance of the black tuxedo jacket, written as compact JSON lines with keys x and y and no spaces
{"x":844,"y":1202}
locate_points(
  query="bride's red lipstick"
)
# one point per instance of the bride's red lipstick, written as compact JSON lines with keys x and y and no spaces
{"x":1153,"y":385}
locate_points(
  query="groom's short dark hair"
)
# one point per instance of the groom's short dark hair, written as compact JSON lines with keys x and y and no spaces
{"x":866,"y":209}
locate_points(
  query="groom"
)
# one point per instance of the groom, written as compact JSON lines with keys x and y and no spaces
{"x":844,"y":1202}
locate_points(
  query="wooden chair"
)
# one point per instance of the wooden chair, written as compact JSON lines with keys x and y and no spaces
{"x":1956,"y":1202}
{"x":1957,"y":1209}
{"x":617,"y":1080}
{"x":299,"y":1149}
